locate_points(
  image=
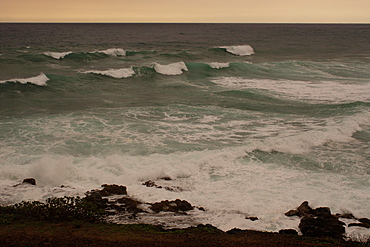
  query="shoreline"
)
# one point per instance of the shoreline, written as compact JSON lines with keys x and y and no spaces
{"x":82,"y":233}
{"x":100,"y":207}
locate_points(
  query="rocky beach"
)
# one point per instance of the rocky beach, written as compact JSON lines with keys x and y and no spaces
{"x":110,"y":217}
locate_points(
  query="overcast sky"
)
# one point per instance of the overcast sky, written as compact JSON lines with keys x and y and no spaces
{"x":244,"y":11}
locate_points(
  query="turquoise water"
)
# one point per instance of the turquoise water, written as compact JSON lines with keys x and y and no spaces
{"x":247,"y":119}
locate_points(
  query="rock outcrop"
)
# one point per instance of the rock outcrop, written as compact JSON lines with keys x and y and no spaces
{"x":318,"y":222}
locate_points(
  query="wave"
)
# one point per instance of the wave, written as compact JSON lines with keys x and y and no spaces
{"x":216,"y":65}
{"x":239,"y":50}
{"x":324,"y":91}
{"x":115,"y":73}
{"x":39,"y":80}
{"x":170,"y":69}
{"x":114,"y":52}
{"x":57,"y":55}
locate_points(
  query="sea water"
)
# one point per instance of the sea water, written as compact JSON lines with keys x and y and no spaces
{"x":245,"y":119}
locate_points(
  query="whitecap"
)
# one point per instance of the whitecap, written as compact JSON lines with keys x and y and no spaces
{"x":239,"y":50}
{"x":170,"y":69}
{"x":114,"y":52}
{"x":115,"y":73}
{"x":39,"y":80}
{"x":216,"y":65}
{"x":57,"y":55}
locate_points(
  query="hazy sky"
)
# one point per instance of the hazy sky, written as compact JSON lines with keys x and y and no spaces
{"x":270,"y":11}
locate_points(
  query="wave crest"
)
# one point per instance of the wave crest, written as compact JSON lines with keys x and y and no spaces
{"x":216,"y":65}
{"x":57,"y":55}
{"x":239,"y":50}
{"x":39,"y":80}
{"x":114,"y":52}
{"x":170,"y":69}
{"x":115,"y":73}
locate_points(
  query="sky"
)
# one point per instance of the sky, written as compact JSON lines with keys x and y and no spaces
{"x":214,"y":11}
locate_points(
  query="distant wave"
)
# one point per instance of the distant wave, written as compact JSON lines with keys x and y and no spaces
{"x":170,"y":69}
{"x":110,"y":52}
{"x":114,"y":52}
{"x":115,"y":73}
{"x":239,"y":50}
{"x":57,"y":55}
{"x":215,"y":65}
{"x":39,"y":80}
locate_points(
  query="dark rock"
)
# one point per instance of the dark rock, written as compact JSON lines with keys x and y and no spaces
{"x":177,"y":206}
{"x":235,"y":231}
{"x":31,"y":181}
{"x":150,"y":183}
{"x":129,"y":205}
{"x":251,"y":218}
{"x":173,"y":188}
{"x":113,"y":189}
{"x":364,"y":222}
{"x":96,"y":198}
{"x":346,"y":216}
{"x":166,"y":178}
{"x":288,"y":232}
{"x":301,"y":211}
{"x":321,"y":226}
{"x":323,"y":212}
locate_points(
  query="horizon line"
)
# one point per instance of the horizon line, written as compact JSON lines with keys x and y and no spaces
{"x":113,"y":22}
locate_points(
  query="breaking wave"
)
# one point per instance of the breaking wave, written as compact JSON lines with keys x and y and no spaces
{"x":239,"y":50}
{"x":39,"y":80}
{"x":114,"y":52}
{"x":115,"y":73}
{"x":57,"y":55}
{"x":216,"y":65}
{"x":170,"y":69}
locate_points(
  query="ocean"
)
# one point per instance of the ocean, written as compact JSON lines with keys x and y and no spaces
{"x":241,"y":119}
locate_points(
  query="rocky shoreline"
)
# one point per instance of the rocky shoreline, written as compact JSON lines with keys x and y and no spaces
{"x":314,"y":223}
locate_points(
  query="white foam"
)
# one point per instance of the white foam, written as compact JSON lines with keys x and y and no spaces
{"x":323,"y":91}
{"x":239,"y":50}
{"x":39,"y":80}
{"x":222,"y":181}
{"x":335,"y":130}
{"x":114,"y":52}
{"x":57,"y":55}
{"x":170,"y":69}
{"x":216,"y":65}
{"x":115,"y":73}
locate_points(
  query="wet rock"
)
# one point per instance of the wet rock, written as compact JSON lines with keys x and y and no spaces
{"x":251,"y":218}
{"x":346,"y":215}
{"x":321,"y":223}
{"x":318,"y":222}
{"x":303,"y":210}
{"x":31,"y":181}
{"x":288,"y":232}
{"x":113,"y":189}
{"x":129,"y":205}
{"x":177,"y":206}
{"x":151,"y":183}
{"x":364,"y":222}
{"x":96,"y":198}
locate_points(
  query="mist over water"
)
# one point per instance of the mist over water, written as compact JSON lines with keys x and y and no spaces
{"x":247,"y":119}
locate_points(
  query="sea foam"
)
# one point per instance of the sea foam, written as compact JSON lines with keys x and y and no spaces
{"x":170,"y":69}
{"x":57,"y":55}
{"x":39,"y":80}
{"x":239,"y":50}
{"x":115,"y":73}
